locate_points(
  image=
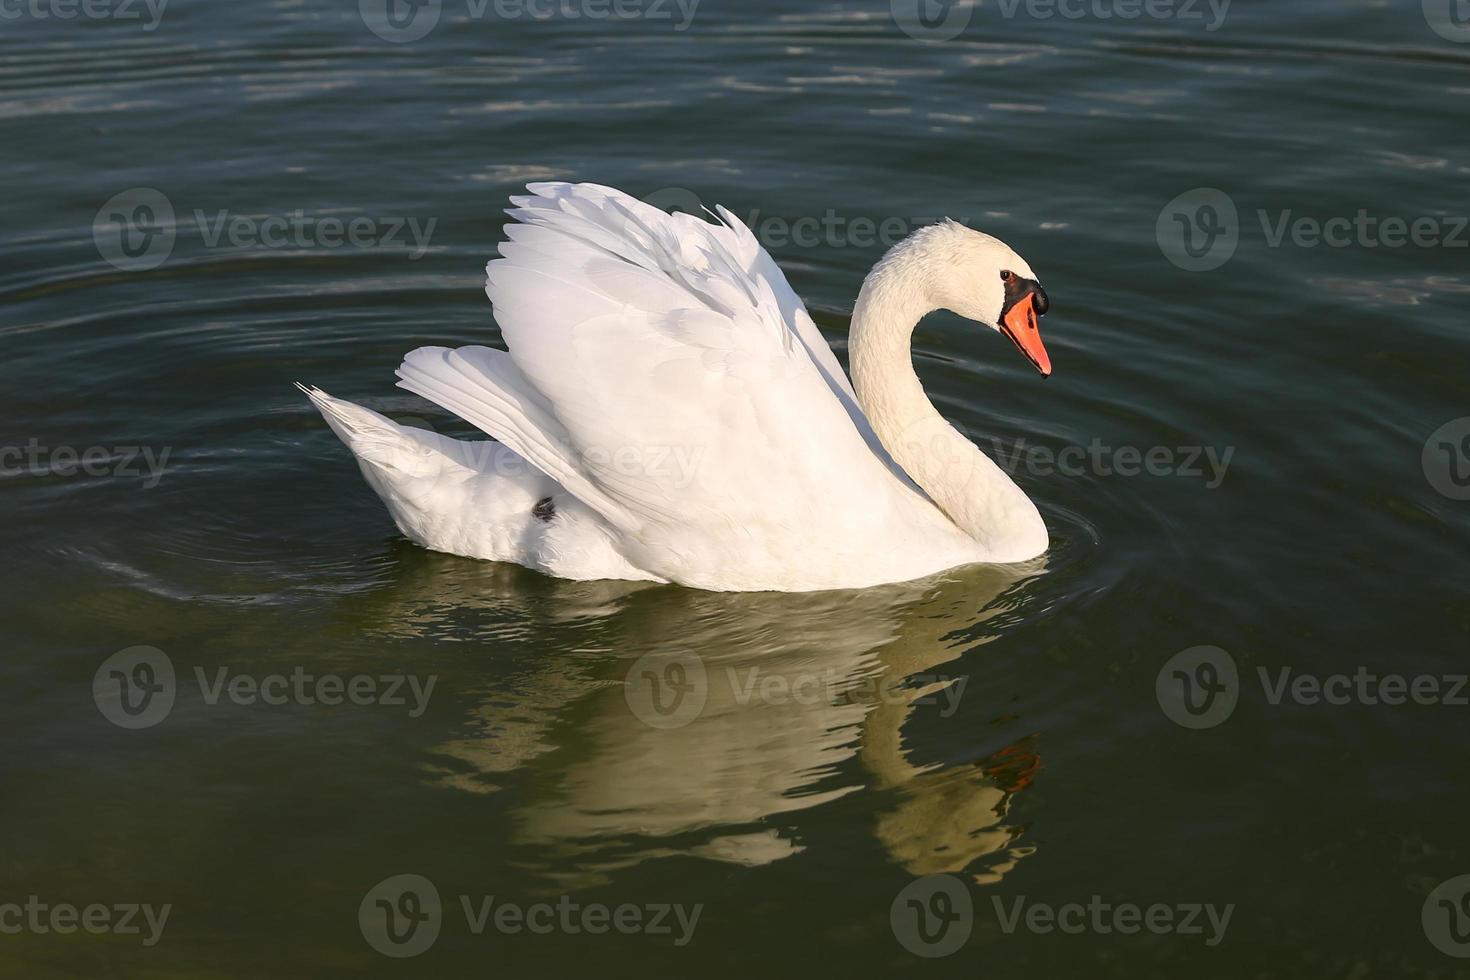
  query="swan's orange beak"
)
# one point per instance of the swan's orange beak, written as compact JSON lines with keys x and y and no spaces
{"x":1019,"y":323}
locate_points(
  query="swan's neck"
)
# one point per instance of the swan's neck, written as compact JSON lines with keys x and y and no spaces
{"x":961,"y":480}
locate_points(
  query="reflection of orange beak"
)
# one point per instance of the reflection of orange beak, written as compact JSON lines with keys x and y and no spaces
{"x":1020,"y":325}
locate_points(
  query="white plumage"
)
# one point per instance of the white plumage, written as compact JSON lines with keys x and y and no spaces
{"x":666,"y":389}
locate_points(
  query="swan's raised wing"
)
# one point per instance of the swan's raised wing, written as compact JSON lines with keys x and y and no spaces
{"x":659,"y":374}
{"x":763,"y":268}
{"x":656,"y":240}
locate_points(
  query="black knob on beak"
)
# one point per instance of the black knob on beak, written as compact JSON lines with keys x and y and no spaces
{"x":1041,"y":303}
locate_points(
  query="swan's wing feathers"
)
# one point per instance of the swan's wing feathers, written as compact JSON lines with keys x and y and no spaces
{"x":676,"y":377}
{"x":793,"y":313}
{"x":712,"y":263}
{"x":484,"y":387}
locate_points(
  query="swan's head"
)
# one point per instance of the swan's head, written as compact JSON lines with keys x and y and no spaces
{"x":981,"y":278}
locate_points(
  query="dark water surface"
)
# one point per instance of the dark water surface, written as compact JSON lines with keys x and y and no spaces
{"x":1011,"y":728}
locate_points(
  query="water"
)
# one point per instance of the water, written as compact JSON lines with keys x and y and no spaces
{"x":1001,"y":726}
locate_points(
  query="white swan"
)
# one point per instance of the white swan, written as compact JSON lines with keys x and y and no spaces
{"x":668,"y":411}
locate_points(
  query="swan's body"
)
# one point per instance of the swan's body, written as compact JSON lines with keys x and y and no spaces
{"x":668,"y":411}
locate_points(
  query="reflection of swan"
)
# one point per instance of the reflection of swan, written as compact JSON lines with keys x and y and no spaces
{"x":801,"y":700}
{"x":948,"y":817}
{"x":669,"y":412}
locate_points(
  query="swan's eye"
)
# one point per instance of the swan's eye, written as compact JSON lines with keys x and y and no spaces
{"x":1007,"y":277}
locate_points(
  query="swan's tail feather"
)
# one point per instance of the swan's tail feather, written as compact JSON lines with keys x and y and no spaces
{"x":373,"y":438}
{"x":485,"y":388}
